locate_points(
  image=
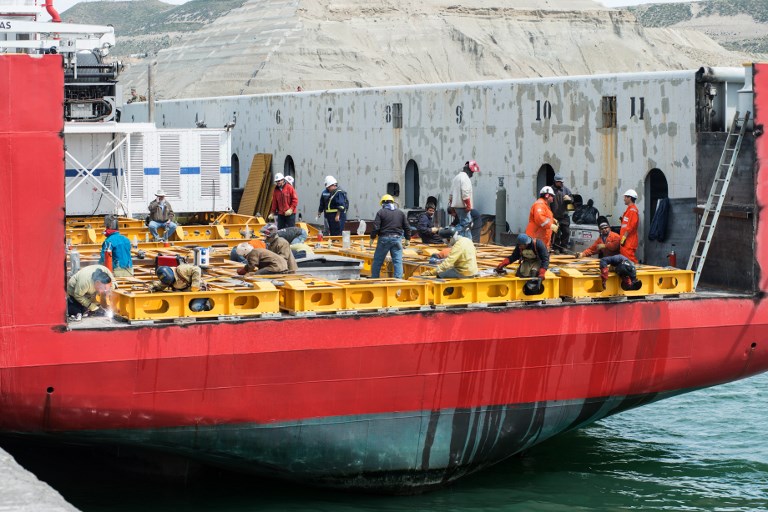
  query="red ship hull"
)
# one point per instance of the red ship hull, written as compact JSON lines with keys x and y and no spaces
{"x":394,"y":402}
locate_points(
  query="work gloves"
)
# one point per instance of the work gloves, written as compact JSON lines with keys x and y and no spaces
{"x":623,"y":239}
{"x":500,"y":266}
{"x":288,"y":212}
{"x":271,"y":216}
{"x":468,"y":204}
{"x":406,"y":242}
{"x":242,"y":271}
{"x":542,"y":273}
{"x":555,"y":227}
{"x":428,"y":273}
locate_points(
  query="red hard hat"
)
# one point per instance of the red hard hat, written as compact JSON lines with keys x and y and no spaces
{"x":473,"y":166}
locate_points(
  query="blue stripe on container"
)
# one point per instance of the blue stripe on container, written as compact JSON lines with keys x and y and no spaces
{"x":189,"y":170}
{"x":152,"y":171}
{"x":71,"y":173}
{"x":226,"y":169}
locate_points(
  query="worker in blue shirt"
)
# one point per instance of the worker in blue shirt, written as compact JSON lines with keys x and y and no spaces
{"x":624,"y":268}
{"x":122,"y":265}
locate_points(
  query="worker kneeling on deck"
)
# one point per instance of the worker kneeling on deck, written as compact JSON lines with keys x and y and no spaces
{"x":184,"y":278}
{"x":87,"y":292}
{"x":260,"y":261}
{"x":532,"y":255}
{"x":461,"y":262}
{"x":624,"y":268}
{"x":279,"y":245}
{"x":607,"y":244}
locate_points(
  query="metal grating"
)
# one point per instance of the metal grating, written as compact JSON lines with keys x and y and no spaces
{"x":170,"y":165}
{"x":209,"y":165}
{"x":136,"y":167}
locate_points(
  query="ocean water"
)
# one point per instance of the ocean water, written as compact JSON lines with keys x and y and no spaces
{"x":702,"y":451}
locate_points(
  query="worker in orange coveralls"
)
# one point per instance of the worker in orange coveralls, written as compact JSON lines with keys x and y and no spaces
{"x":607,"y":244}
{"x":630,"y":222}
{"x":541,"y":221}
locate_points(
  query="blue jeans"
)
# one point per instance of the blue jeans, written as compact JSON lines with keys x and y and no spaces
{"x":393,"y":246}
{"x":301,"y":238}
{"x":465,"y":219}
{"x":170,"y":227}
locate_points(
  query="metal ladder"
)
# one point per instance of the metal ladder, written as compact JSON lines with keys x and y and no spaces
{"x":717,"y":196}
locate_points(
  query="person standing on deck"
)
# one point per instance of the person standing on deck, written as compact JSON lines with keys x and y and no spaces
{"x":560,"y":204}
{"x":334,"y":205}
{"x":460,"y":199}
{"x":391,"y":226}
{"x":630,"y":223}
{"x":541,"y":222}
{"x":284,"y":203}
{"x":122,"y":264}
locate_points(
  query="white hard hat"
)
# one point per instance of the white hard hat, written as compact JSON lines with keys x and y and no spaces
{"x":243,"y":249}
{"x":330,"y":180}
{"x":546,"y":190}
{"x":631,"y":193}
{"x":279,"y":177}
{"x":160,"y":193}
{"x":289,"y":179}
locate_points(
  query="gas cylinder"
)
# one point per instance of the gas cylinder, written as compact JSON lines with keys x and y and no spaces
{"x":108,"y":259}
{"x":672,"y":258}
{"x":501,"y":211}
{"x":74,"y":260}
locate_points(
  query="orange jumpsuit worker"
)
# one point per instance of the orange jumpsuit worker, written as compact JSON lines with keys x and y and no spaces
{"x":541,"y":221}
{"x":629,"y":224}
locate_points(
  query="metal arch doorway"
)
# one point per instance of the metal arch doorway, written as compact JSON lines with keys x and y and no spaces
{"x":288,"y":168}
{"x":234,"y":163}
{"x":412,"y":187}
{"x":545,"y":176}
{"x":655,"y":189}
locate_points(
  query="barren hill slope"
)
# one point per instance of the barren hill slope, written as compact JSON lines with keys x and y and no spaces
{"x":277,"y":45}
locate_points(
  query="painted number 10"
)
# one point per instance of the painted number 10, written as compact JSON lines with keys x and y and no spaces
{"x":543,"y":110}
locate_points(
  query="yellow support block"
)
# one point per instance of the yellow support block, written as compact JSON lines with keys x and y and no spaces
{"x":140,"y":305}
{"x":305,"y":295}
{"x":586,"y":282}
{"x":312,"y":295}
{"x":489,"y":290}
{"x":384,"y":293}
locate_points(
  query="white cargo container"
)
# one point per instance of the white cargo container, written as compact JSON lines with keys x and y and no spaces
{"x":117,"y":168}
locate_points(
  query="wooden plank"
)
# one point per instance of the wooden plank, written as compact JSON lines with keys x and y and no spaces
{"x":258,"y":173}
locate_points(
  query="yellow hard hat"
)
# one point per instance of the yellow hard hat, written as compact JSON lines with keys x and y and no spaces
{"x":386,"y":198}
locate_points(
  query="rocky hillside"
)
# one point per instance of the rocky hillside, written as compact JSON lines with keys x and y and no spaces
{"x":740,"y":25}
{"x":207,"y":48}
{"x":145,"y":27}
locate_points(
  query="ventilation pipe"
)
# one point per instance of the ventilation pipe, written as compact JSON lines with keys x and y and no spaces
{"x":52,"y":11}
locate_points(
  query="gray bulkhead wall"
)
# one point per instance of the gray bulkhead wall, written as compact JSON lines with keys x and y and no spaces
{"x":731,"y":258}
{"x":510,"y":127}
